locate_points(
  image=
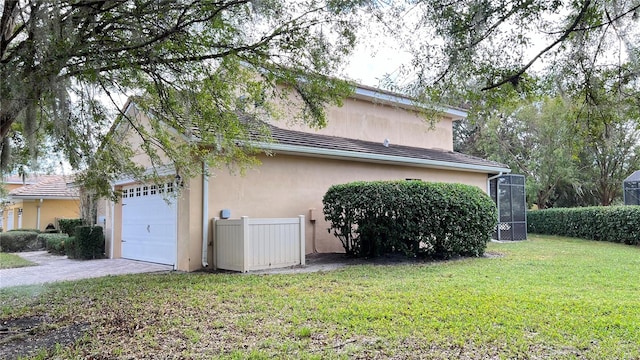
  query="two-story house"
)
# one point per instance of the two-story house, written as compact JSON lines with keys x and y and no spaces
{"x":375,"y":135}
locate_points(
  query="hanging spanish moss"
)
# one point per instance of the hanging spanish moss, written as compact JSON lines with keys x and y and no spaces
{"x":5,"y":154}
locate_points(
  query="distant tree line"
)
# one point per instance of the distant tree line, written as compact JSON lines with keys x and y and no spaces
{"x":573,"y":152}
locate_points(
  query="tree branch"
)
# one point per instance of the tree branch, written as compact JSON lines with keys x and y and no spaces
{"x":515,"y":77}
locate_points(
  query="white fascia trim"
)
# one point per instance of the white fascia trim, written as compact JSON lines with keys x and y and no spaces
{"x":128,"y":106}
{"x":377,"y":158}
{"x":382,"y":97}
{"x":165,"y":170}
{"x":38,"y":197}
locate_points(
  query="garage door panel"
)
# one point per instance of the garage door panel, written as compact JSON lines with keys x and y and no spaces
{"x":149,"y":228}
{"x":148,"y":250}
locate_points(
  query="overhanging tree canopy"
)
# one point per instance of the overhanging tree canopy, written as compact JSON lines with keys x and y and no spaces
{"x":195,"y":62}
{"x":494,"y":56}
{"x":472,"y":46}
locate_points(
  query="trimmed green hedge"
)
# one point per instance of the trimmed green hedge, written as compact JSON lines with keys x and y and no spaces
{"x":54,"y":242}
{"x":29,"y":230}
{"x":70,"y":247}
{"x":14,"y":241}
{"x":68,"y":226}
{"x":619,"y":224}
{"x":411,"y":217}
{"x":88,"y":243}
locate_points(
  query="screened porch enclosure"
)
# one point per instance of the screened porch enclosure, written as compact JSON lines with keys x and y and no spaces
{"x":508,"y":192}
{"x":631,"y":187}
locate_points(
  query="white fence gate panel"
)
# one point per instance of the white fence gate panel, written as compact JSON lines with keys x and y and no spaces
{"x":256,"y":244}
{"x":229,"y":247}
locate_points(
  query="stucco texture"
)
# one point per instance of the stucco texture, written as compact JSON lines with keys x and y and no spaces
{"x":287,"y":186}
{"x":50,"y":210}
{"x":364,"y":120}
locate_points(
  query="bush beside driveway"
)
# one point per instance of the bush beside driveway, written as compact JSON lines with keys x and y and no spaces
{"x":19,"y":240}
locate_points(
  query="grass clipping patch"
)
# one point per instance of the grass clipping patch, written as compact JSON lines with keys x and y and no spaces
{"x":544,"y":298}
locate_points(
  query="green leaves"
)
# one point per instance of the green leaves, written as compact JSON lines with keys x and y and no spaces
{"x":68,"y":226}
{"x":202,"y":64}
{"x":87,"y":244}
{"x":411,"y":217}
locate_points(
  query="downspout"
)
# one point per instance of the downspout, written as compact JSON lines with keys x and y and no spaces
{"x":497,"y":199}
{"x":489,"y":181}
{"x":205,"y":215}
{"x":111,"y":216}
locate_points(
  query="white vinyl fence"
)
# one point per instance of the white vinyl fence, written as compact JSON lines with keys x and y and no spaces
{"x":248,"y":244}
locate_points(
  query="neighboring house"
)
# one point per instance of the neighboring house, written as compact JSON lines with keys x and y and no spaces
{"x":375,"y":135}
{"x":36,"y":201}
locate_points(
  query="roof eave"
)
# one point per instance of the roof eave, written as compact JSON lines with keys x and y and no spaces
{"x":378,"y":158}
{"x":38,"y":197}
{"x":161,"y":171}
{"x":374,"y":95}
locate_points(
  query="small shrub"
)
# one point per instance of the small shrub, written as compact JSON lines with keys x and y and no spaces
{"x":68,"y":226}
{"x":70,"y":247}
{"x":412,"y":217}
{"x":54,"y":242}
{"x":612,"y":223}
{"x":89,"y":242}
{"x":14,"y":241}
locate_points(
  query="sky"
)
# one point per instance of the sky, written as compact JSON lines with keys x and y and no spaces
{"x":369,"y":64}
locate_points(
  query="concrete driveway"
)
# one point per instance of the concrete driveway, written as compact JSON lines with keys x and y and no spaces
{"x":52,"y":268}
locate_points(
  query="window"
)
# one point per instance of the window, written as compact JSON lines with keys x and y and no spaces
{"x":137,"y":191}
{"x":145,"y":190}
{"x":154,"y":189}
{"x":169,"y":187}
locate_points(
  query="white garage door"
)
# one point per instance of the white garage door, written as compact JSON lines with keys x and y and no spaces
{"x":149,"y":229}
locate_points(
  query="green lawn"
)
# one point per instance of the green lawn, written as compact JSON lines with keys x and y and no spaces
{"x":8,"y":261}
{"x":548,"y":297}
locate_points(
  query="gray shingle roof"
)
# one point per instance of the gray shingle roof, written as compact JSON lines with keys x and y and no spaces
{"x":341,"y":144}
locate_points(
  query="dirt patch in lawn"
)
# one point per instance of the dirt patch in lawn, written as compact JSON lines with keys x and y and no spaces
{"x":32,"y":335}
{"x":318,"y":262}
{"x":28,"y":336}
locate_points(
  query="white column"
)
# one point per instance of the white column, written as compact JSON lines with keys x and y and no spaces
{"x":38,"y":214}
